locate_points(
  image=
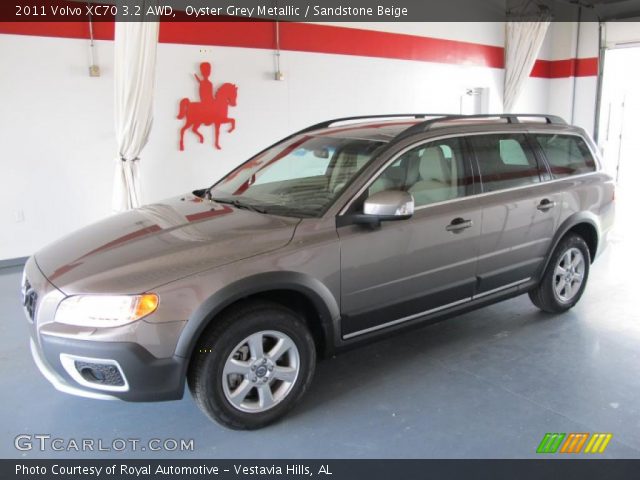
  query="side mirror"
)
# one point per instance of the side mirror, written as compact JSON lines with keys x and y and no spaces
{"x":390,"y":205}
{"x":382,"y":206}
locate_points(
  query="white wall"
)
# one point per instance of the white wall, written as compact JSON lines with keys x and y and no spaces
{"x":57,"y":137}
{"x":316,"y":87}
{"x":56,"y":123}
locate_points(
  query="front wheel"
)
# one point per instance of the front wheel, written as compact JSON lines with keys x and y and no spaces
{"x":253,"y":366}
{"x":565,"y":278}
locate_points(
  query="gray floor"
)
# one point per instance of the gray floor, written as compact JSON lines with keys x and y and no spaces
{"x":485,"y":384}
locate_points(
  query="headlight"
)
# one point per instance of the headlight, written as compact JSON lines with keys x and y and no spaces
{"x":105,"y":310}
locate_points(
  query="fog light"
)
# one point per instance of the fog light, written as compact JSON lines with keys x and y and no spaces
{"x":91,"y":375}
{"x":103,"y":374}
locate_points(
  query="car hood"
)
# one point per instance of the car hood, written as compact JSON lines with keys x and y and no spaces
{"x":140,"y":249}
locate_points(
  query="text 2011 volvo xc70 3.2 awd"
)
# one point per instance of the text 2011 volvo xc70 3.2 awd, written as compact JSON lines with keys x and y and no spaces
{"x":338,"y":234}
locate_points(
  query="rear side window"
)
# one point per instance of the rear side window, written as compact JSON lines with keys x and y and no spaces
{"x":505,"y":161}
{"x":566,"y":154}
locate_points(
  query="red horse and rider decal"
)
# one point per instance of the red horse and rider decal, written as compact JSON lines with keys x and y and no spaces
{"x":211,"y":109}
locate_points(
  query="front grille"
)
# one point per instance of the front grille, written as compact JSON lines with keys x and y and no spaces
{"x":29,"y":299}
{"x":100,"y":373}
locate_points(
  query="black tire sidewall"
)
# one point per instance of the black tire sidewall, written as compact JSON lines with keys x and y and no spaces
{"x":221,"y":347}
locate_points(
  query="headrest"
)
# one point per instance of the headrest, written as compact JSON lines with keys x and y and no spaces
{"x":431,"y":165}
{"x":413,"y":168}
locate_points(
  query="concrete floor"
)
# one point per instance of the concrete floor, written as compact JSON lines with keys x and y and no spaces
{"x":486,"y":384}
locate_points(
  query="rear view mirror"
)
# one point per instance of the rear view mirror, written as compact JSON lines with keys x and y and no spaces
{"x":321,"y":153}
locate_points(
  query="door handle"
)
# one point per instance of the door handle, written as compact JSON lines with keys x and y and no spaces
{"x":458,"y":224}
{"x":545,"y":205}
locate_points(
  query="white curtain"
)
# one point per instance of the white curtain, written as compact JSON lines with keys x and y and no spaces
{"x":523,"y":42}
{"x":134,"y":77}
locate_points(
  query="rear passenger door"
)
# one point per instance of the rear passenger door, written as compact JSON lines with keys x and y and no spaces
{"x":520,"y":210}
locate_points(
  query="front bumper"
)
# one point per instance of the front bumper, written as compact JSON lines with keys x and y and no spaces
{"x":147,"y":378}
{"x":139,"y":354}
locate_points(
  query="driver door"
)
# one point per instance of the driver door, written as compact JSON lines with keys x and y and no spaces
{"x":409,"y":268}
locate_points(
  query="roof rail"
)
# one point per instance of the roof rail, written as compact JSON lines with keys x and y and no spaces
{"x":328,"y":123}
{"x":509,"y":117}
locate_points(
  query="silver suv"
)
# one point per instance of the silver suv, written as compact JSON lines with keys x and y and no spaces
{"x":340,"y":233}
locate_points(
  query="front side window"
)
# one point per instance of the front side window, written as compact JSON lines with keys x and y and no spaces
{"x":432,"y":173}
{"x":505,"y":161}
{"x":300,"y":177}
{"x":566,"y":154}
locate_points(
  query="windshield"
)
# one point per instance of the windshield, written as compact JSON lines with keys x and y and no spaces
{"x":300,"y":177}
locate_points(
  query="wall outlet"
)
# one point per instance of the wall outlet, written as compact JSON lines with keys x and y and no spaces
{"x":18,"y":216}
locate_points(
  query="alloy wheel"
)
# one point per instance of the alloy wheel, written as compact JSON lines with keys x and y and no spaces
{"x":568,"y":275}
{"x":261,"y":371}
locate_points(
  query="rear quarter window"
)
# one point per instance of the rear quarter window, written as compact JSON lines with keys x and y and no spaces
{"x":567,"y":154}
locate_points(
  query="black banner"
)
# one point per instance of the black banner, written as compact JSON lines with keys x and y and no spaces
{"x":330,"y":469}
{"x":317,"y":10}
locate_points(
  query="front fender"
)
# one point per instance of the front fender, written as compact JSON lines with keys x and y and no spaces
{"x":321,"y":297}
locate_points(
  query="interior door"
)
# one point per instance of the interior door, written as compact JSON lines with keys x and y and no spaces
{"x":519,"y":216}
{"x":407,"y":268}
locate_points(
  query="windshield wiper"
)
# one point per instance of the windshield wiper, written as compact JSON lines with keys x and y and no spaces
{"x":238,"y":204}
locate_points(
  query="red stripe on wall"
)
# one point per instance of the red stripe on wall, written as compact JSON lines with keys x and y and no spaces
{"x":572,"y":67}
{"x":308,"y":37}
{"x":101,"y":30}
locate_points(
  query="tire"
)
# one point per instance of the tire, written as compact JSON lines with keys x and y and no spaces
{"x":553,"y":296}
{"x":228,"y":377}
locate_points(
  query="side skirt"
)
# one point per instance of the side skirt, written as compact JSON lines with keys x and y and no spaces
{"x":487,"y":298}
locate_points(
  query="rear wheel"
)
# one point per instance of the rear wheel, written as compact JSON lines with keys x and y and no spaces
{"x":565,"y":278}
{"x":253,"y":366}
